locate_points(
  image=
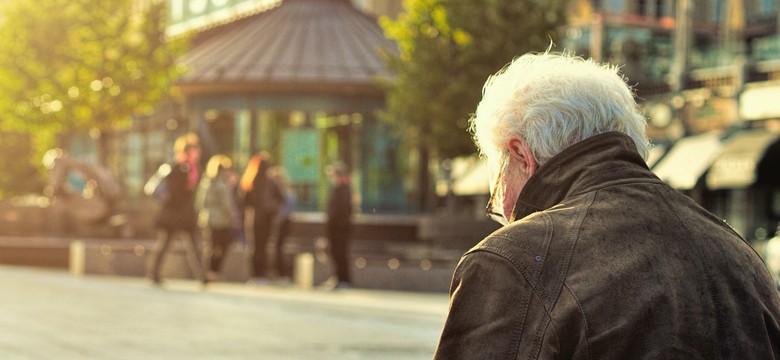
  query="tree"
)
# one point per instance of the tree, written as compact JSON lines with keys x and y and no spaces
{"x":81,"y":65}
{"x":447,"y":49}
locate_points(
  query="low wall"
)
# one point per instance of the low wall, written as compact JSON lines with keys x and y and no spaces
{"x":35,"y":251}
{"x":390,"y":269}
{"x":399,"y":252}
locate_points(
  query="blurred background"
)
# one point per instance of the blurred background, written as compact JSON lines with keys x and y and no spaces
{"x":93,"y":93}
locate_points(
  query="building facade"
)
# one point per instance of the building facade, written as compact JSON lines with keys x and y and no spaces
{"x":707,"y":74}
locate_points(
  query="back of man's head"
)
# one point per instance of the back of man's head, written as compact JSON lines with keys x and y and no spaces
{"x":553,"y":101}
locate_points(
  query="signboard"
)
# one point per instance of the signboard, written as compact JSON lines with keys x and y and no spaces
{"x":188,"y":15}
{"x":301,"y":155}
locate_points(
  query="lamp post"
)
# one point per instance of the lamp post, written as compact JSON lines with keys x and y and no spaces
{"x":681,"y":61}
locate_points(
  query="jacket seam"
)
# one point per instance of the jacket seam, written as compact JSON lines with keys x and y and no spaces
{"x":584,"y":318}
{"x":563,"y":269}
{"x":523,"y":270}
{"x":538,"y":289}
{"x":621,"y":182}
{"x":710,"y":283}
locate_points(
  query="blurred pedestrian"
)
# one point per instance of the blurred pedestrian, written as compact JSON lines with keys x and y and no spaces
{"x":265,"y":198}
{"x":597,"y":258}
{"x":339,"y":225}
{"x":217,"y":212}
{"x":282,"y":221}
{"x":177,"y":215}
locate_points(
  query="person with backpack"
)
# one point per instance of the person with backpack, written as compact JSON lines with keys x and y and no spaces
{"x":217,"y":212}
{"x":177,"y":214}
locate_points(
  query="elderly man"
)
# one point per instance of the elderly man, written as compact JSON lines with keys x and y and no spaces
{"x":599,"y":259}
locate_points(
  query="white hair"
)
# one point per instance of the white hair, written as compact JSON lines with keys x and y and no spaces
{"x":552,"y":101}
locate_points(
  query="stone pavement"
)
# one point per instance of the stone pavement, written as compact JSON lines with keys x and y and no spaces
{"x":50,"y":314}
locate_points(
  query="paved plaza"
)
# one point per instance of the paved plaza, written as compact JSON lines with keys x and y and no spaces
{"x":50,"y":314}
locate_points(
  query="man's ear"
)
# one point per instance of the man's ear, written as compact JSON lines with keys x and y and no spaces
{"x":520,"y":151}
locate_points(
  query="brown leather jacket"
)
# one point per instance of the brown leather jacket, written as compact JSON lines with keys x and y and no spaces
{"x":605,"y":261}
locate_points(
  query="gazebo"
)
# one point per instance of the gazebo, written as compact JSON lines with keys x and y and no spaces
{"x":301,"y":81}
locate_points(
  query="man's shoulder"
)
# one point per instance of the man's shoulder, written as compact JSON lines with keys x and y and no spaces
{"x":521,"y":240}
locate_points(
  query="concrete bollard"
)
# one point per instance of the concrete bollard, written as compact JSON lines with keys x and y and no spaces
{"x":303,"y":274}
{"x":77,"y":257}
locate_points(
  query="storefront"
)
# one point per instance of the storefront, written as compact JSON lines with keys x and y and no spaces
{"x":750,"y":205}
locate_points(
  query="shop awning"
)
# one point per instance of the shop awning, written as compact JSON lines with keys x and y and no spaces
{"x":759,"y":101}
{"x":469,"y":177}
{"x":735,"y":167}
{"x":687,"y":160}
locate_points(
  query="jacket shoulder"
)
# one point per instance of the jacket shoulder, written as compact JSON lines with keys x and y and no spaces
{"x":524,"y":242}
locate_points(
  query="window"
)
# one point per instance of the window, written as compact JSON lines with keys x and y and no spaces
{"x":659,"y":9}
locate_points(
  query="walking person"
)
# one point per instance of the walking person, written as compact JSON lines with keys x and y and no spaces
{"x":217,"y":212}
{"x":597,"y":258}
{"x":339,"y":225}
{"x":264,"y":197}
{"x":177,"y":215}
{"x":282,"y":221}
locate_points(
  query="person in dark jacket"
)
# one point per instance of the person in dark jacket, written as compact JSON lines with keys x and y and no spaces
{"x":599,"y":259}
{"x":339,"y":225}
{"x":282,"y":222}
{"x":265,"y":198}
{"x":177,"y":214}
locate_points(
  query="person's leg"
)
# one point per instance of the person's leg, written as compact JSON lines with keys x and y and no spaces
{"x":160,"y":248}
{"x":339,"y":243}
{"x":221,"y":238}
{"x":262,"y":231}
{"x":281,"y":235}
{"x":193,"y":255}
{"x":341,"y":259}
{"x":346,"y":263}
{"x":208,"y":247}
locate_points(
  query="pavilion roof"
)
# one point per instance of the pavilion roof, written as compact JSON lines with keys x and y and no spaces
{"x":301,"y":46}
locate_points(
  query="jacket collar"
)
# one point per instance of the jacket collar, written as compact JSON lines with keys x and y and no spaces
{"x":593,"y":163}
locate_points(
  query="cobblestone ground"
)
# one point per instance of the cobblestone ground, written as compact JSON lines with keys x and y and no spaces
{"x":52,"y":315}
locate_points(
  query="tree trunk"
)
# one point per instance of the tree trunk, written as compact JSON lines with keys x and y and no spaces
{"x":103,"y":148}
{"x":424,"y":178}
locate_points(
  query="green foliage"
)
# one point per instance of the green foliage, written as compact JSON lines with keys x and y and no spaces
{"x":77,"y":65}
{"x":447,"y":49}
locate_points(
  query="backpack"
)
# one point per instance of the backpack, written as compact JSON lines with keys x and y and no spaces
{"x":157,"y":185}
